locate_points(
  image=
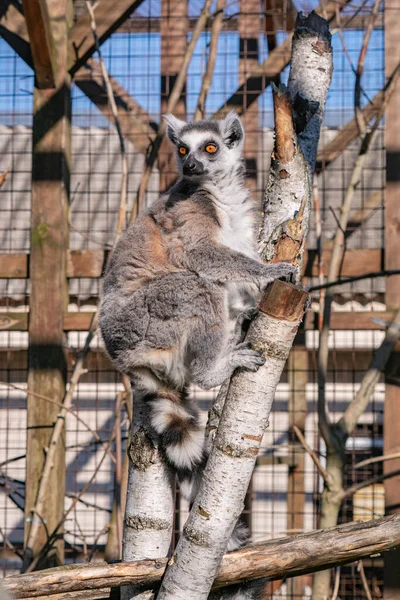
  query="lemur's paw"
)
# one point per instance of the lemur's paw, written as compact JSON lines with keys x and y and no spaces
{"x":284,"y":271}
{"x":248,"y":314}
{"x":243,"y":356}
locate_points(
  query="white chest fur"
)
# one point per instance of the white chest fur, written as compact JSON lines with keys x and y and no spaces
{"x":235,"y":209}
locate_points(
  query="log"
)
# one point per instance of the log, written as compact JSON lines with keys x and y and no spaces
{"x":285,"y":557}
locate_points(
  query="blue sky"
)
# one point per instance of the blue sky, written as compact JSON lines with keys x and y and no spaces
{"x":134,"y":59}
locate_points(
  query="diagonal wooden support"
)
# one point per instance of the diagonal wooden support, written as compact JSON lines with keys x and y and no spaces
{"x":261,"y":77}
{"x":109,"y":16}
{"x":136,"y":124}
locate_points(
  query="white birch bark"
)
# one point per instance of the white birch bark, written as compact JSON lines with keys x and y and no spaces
{"x":220,"y":499}
{"x":150,"y":499}
{"x":219,"y":502}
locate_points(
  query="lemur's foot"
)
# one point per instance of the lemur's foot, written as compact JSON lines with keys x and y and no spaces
{"x":243,"y":356}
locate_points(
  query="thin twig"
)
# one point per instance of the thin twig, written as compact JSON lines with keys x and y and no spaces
{"x":113,"y":106}
{"x":98,"y":536}
{"x":61,"y":405}
{"x":172,"y":101}
{"x":361,"y":124}
{"x":54,"y":534}
{"x":375,"y":459}
{"x":372,"y":275}
{"x":216,"y":27}
{"x":367,"y":482}
{"x":335,"y":592}
{"x":324,"y":474}
{"x":82,"y":536}
{"x":360,"y":569}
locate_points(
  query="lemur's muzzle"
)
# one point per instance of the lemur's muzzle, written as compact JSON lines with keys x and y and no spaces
{"x":193,"y":167}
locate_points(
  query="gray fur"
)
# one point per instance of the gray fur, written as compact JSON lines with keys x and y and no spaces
{"x":170,"y":315}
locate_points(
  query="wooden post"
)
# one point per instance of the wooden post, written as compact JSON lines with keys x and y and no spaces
{"x":249,"y":26}
{"x":48,"y":262}
{"x":391,"y":429}
{"x":298,"y":377}
{"x":174,"y":27}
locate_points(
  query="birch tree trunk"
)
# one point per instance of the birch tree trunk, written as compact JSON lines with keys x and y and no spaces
{"x":245,"y":415}
{"x":149,"y":511}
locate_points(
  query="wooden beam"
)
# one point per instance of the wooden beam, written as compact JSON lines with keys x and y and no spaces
{"x":90,"y":263}
{"x":346,"y":365}
{"x":48,"y":296}
{"x":14,"y":266}
{"x":86,"y":263}
{"x":42,"y":43}
{"x":341,"y":321}
{"x":391,"y":422}
{"x":352,"y":321}
{"x":109,"y":16}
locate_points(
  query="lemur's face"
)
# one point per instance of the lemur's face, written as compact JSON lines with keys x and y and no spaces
{"x":206,"y":149}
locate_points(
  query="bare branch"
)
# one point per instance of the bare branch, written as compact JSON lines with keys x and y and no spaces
{"x":367,"y":482}
{"x":361,"y":124}
{"x":250,"y":395}
{"x":274,"y":560}
{"x":216,"y":27}
{"x":113,"y":106}
{"x":375,"y":459}
{"x":360,"y":401}
{"x":53,"y":535}
{"x":324,"y":474}
{"x":336,"y":586}
{"x":360,"y":569}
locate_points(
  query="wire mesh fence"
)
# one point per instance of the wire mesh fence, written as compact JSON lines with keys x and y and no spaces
{"x":143,"y":57}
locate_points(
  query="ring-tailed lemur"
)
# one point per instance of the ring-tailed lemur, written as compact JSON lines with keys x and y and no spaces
{"x":169,"y":290}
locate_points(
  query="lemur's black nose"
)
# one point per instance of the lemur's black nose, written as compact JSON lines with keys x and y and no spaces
{"x":193,"y":167}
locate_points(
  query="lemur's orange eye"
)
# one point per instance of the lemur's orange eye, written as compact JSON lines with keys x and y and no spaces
{"x":211,"y":148}
{"x":182,"y":150}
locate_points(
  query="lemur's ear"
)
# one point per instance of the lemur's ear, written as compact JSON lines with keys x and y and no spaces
{"x":174,"y":127}
{"x":232,"y":130}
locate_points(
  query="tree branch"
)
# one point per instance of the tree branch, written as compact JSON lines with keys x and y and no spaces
{"x":324,"y":474}
{"x":250,"y":395}
{"x":216,"y":27}
{"x":360,"y":401}
{"x":275,"y":559}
